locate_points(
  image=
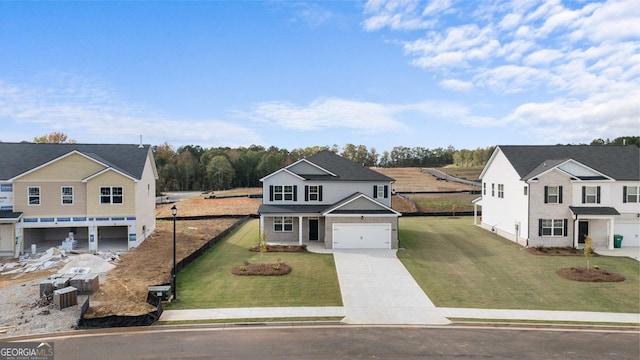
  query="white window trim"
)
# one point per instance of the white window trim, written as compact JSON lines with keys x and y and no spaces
{"x":556,"y":195}
{"x":314,"y":195}
{"x":553,"y":227}
{"x":587,"y":195}
{"x":111,"y":196}
{"x":39,"y":196}
{"x":283,"y":221}
{"x":636,"y":195}
{"x":62,"y":195}
{"x":501,"y":191}
{"x":283,"y":194}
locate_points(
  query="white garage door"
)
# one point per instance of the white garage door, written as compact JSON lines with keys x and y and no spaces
{"x":362,"y":236}
{"x":630,"y":234}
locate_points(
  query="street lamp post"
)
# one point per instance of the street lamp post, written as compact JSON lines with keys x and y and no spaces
{"x":174,"y":212}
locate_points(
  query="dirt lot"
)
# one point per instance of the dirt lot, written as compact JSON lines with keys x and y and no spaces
{"x":418,"y":179}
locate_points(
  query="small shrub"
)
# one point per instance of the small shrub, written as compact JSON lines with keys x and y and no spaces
{"x":596,"y":267}
{"x":243,"y":268}
{"x":276,"y":266}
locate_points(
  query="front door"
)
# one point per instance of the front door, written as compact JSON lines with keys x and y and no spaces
{"x":583,"y":230}
{"x":313,"y":229}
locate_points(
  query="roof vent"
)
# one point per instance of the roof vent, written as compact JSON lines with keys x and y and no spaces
{"x":140,"y":146}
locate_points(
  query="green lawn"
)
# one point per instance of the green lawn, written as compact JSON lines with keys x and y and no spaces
{"x":208,"y":282}
{"x":460,"y":265}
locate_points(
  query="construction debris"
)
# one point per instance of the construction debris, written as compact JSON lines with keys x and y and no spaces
{"x":54,"y":256}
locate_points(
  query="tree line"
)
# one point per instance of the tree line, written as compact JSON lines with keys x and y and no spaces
{"x":193,"y":167}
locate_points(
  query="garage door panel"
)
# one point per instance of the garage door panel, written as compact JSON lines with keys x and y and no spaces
{"x":361,"y":236}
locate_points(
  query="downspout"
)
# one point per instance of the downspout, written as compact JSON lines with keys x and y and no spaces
{"x":528,"y":213}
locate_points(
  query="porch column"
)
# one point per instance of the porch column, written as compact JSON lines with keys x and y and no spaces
{"x":475,"y":214}
{"x":575,"y":233}
{"x":299,"y":230}
{"x":261,"y":228}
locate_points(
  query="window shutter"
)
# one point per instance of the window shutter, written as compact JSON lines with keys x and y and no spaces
{"x":624,"y":194}
{"x":386,"y":191}
{"x":584,"y":194}
{"x":320,"y":193}
{"x":306,"y":193}
{"x":560,"y":194}
{"x":565,"y":226}
{"x":539,"y":227}
{"x":375,"y":191}
{"x":598,"y":195}
{"x":295,"y":192}
{"x":270,"y":192}
{"x":546,"y":194}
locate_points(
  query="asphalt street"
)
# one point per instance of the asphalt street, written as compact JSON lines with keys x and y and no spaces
{"x":346,"y":342}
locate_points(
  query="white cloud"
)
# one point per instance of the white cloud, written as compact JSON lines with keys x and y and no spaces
{"x":456,"y":85}
{"x":398,"y":14}
{"x":88,"y":112}
{"x":331,"y":113}
{"x":569,"y":120}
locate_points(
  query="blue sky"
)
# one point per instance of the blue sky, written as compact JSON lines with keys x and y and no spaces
{"x":296,"y":74}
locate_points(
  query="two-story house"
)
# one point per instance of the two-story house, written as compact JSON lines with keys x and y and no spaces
{"x":102,"y":196}
{"x":556,"y":195}
{"x":329,"y":199}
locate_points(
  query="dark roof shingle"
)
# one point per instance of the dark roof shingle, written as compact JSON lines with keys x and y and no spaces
{"x":618,"y":162}
{"x":18,"y":158}
{"x":346,"y":170}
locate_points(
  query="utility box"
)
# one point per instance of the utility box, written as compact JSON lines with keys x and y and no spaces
{"x":161,"y":291}
{"x":46,"y":287}
{"x":65,"y":298}
{"x":86,"y":284}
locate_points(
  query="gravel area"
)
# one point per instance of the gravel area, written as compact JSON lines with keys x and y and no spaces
{"x":22,"y":312}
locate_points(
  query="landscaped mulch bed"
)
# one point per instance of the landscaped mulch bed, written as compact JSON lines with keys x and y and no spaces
{"x":589,"y":275}
{"x":282,"y":248}
{"x":557,"y":251}
{"x":262,"y":269}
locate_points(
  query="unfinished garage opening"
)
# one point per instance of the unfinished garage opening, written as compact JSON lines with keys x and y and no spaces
{"x":114,"y":238}
{"x":45,"y":238}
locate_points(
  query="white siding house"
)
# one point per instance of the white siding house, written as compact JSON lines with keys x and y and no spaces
{"x":329,"y":199}
{"x":556,"y":195}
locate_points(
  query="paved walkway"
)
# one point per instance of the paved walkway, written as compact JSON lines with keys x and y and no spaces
{"x":377,"y":289}
{"x":629,"y":251}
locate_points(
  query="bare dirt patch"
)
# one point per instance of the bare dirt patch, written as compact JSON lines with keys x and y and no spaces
{"x":589,"y":275}
{"x":418,"y":179}
{"x":262,"y":269}
{"x":200,"y":206}
{"x":125,"y":289}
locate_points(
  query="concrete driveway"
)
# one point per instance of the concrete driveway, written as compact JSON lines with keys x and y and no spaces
{"x":377,"y":289}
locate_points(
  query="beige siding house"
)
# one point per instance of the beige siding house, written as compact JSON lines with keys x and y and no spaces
{"x":97,"y":195}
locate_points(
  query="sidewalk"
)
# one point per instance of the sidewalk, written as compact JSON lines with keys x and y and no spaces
{"x":338,"y":311}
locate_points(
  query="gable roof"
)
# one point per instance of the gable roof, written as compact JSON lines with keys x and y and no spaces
{"x":19,"y":158}
{"x":344,"y":169}
{"x":617,"y":162}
